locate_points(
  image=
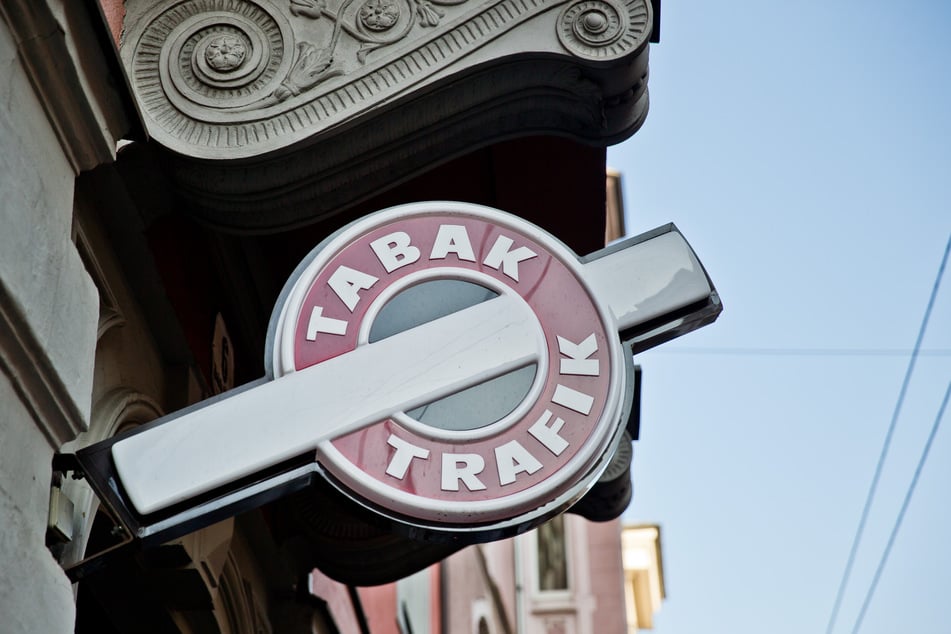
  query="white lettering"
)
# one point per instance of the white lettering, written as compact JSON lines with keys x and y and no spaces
{"x":319,"y":323}
{"x":452,"y":239}
{"x":512,"y":459}
{"x":462,"y":466}
{"x":573,"y":399}
{"x":405,"y":452}
{"x":394,"y":250}
{"x":548,"y":434}
{"x":578,"y":353}
{"x":500,"y":256}
{"x":347,"y":283}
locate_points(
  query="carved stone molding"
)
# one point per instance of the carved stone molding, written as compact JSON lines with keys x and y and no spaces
{"x":65,"y":51}
{"x":36,"y":379}
{"x":271,"y":104}
{"x":110,"y":313}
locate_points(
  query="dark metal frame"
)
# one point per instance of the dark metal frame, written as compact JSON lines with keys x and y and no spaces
{"x":95,"y":465}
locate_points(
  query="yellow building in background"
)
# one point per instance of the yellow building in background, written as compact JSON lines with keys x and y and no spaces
{"x":643,"y":575}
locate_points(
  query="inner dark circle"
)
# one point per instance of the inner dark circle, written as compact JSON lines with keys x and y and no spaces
{"x":477,"y":406}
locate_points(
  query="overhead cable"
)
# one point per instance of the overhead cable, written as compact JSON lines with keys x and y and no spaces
{"x":901,"y":513}
{"x":802,"y":352}
{"x":873,"y":487}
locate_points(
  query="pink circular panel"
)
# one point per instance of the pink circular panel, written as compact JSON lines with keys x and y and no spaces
{"x":505,"y":470}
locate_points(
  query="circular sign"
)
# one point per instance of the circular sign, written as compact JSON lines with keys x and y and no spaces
{"x":512,"y":448}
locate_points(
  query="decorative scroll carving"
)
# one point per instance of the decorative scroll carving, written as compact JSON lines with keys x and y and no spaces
{"x":199,"y":57}
{"x":243,"y":80}
{"x":308,"y":8}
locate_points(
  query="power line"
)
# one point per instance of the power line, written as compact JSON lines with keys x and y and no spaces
{"x":901,"y":512}
{"x":803,"y":352}
{"x":885,"y":445}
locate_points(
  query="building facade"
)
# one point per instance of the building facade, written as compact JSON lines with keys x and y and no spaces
{"x":165,"y":165}
{"x":568,"y":576}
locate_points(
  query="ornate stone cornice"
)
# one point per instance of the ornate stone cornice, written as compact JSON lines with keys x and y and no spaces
{"x":269,"y":104}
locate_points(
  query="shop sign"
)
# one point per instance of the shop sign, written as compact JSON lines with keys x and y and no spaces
{"x":449,"y":366}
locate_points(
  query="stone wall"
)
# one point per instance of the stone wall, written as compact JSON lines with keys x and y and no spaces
{"x":50,"y":129}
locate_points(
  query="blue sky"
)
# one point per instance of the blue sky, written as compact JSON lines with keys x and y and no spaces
{"x":804,"y":149}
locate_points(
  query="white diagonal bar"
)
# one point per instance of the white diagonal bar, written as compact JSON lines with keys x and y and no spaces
{"x":242,"y":434}
{"x":649,"y":279}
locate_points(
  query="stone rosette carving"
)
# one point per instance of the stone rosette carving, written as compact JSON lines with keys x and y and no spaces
{"x":379,"y":15}
{"x":242,"y":80}
{"x":603,"y":29}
